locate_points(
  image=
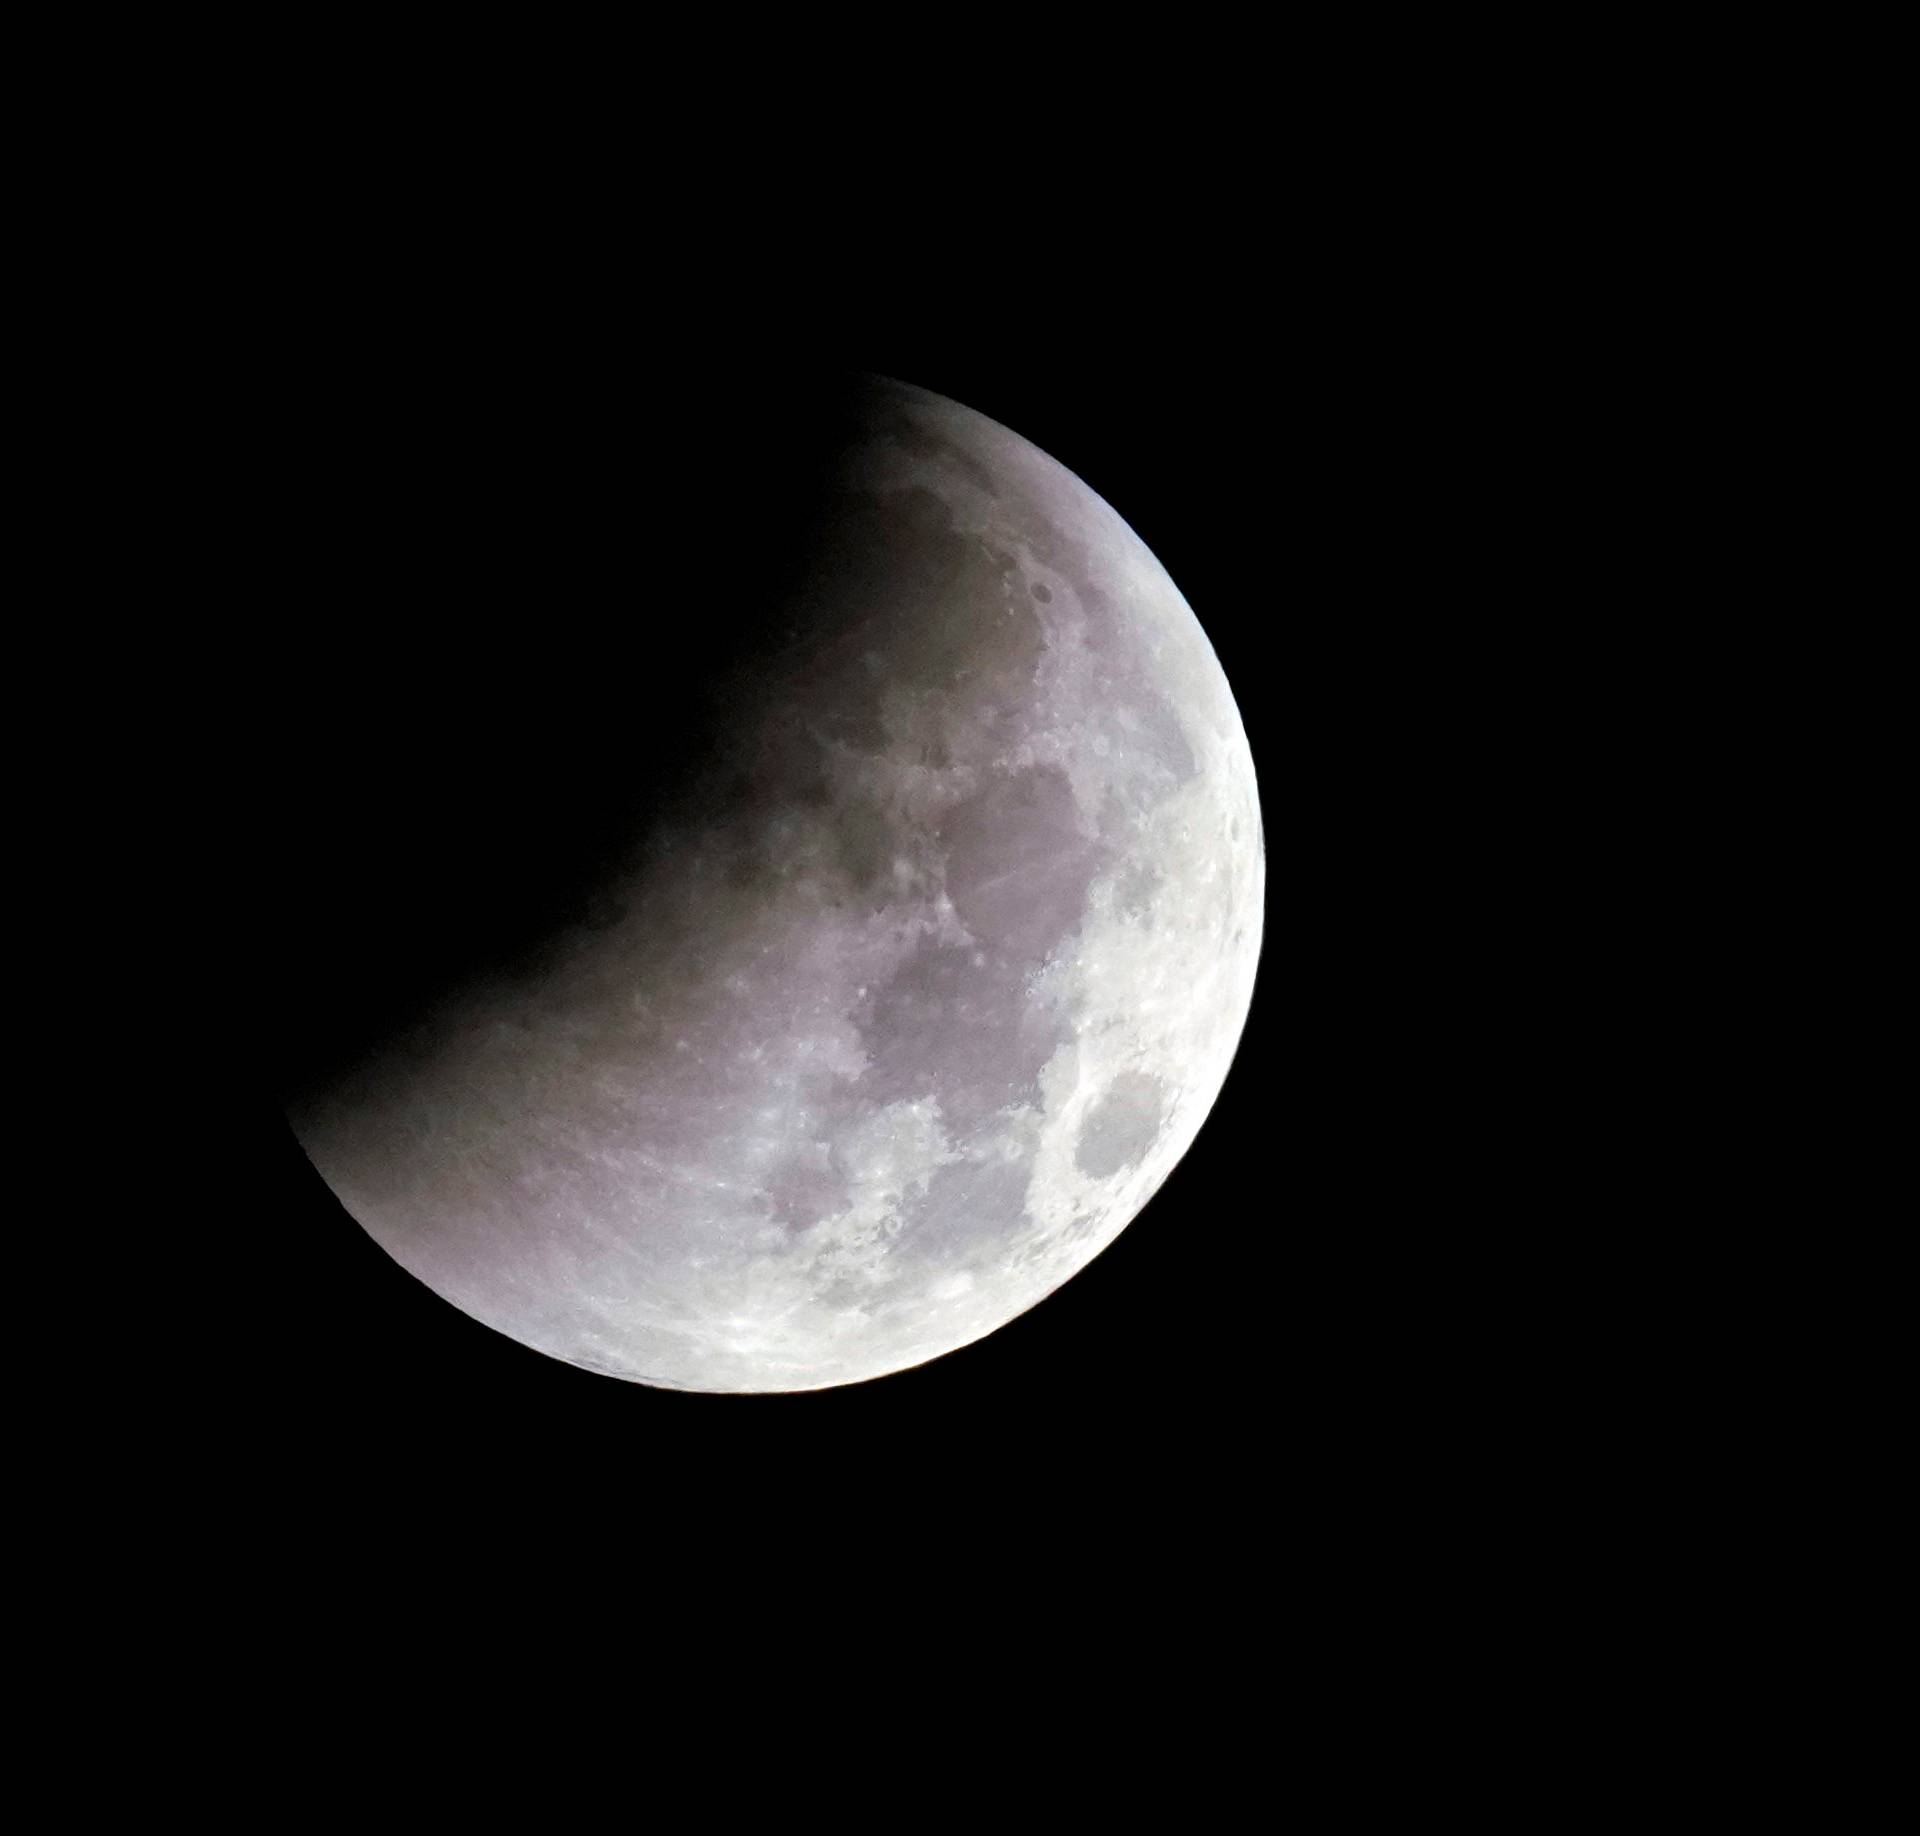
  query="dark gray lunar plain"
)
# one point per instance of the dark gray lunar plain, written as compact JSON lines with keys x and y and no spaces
{"x":892,"y":1030}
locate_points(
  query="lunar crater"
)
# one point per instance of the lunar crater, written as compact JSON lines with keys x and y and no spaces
{"x":1122,"y":1127}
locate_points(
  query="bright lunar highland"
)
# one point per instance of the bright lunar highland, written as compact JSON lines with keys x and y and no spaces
{"x":897,"y":1012}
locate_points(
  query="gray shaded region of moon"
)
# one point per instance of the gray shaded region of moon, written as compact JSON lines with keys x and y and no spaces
{"x":893,"y":1028}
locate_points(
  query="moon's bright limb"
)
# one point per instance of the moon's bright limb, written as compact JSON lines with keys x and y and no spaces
{"x":887,"y":1034}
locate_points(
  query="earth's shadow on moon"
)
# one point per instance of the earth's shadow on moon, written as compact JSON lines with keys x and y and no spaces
{"x":476,"y":726}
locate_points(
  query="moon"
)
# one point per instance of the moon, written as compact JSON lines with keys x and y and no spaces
{"x":895,"y":1008}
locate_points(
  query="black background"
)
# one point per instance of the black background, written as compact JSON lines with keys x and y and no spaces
{"x":1321,"y":1370}
{"x":1341,"y":1369}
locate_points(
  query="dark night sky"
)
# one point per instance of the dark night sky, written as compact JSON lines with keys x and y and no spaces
{"x":1326,"y":1374}
{"x":1326,"y":1325}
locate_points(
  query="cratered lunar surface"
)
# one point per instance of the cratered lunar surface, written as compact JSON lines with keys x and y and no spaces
{"x":895,"y":1014}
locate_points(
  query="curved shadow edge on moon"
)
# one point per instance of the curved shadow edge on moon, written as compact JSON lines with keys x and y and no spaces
{"x":894,"y":1024}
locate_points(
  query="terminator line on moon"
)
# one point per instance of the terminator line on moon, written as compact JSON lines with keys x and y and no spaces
{"x":893,"y":1029}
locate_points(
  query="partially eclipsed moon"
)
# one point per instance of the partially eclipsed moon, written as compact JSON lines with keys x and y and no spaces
{"x":890,"y":1029}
